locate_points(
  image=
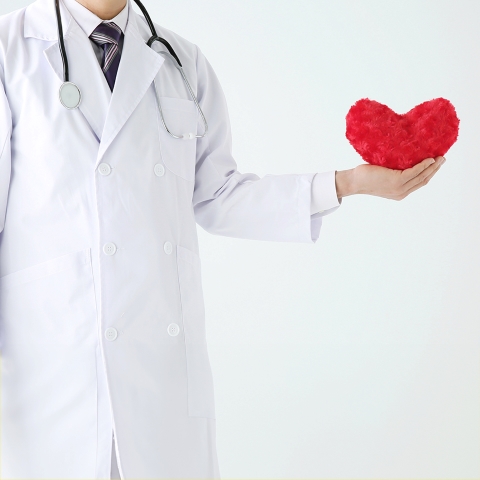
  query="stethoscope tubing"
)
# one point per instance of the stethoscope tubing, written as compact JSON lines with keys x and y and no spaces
{"x":180,"y":69}
{"x":154,"y":38}
{"x":63,"y":51}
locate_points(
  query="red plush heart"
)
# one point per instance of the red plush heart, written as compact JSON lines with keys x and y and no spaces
{"x":383,"y":137}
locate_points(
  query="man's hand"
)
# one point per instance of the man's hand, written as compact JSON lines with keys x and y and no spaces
{"x":385,"y":182}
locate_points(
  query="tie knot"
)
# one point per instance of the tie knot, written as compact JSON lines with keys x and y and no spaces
{"x":106,"y":32}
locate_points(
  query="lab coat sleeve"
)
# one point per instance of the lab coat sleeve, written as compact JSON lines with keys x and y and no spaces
{"x":243,"y":205}
{"x":5,"y":151}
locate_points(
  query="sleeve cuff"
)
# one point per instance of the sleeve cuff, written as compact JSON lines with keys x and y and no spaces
{"x":324,"y":192}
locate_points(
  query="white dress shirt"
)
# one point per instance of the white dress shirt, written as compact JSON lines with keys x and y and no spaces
{"x":88,"y":22}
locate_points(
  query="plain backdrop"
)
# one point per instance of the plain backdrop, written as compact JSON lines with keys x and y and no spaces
{"x":358,"y":356}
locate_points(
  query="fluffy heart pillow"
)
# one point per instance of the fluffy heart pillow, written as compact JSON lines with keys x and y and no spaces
{"x":383,"y":137}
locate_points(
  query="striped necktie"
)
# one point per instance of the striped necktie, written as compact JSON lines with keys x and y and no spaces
{"x":108,"y":35}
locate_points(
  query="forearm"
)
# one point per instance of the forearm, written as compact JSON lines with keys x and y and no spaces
{"x":344,"y":182}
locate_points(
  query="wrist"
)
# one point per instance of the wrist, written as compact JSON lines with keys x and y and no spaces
{"x":345,"y":183}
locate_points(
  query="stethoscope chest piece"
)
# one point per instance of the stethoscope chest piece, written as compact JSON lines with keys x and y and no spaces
{"x":70,"y":95}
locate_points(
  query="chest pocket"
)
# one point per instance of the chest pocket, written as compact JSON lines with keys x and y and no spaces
{"x":181,"y":117}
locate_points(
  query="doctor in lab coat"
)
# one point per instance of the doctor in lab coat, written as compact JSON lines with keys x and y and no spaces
{"x":104,"y":364}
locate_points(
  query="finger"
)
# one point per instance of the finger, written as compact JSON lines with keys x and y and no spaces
{"x":420,"y":184}
{"x":408,"y":192}
{"x":414,"y":171}
{"x":427,"y":173}
{"x":421,"y":179}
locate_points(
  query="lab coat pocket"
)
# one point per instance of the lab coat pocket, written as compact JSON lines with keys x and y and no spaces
{"x":199,"y":373}
{"x":49,"y":300}
{"x":36,"y":272}
{"x":179,"y":155}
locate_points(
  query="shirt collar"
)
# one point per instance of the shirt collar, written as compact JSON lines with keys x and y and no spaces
{"x":88,"y":21}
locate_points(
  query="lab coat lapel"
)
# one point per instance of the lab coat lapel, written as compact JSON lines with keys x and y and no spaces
{"x":86,"y":73}
{"x":138,"y":67}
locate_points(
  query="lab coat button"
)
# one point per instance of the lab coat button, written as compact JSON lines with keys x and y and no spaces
{"x":159,"y":170}
{"x":104,"y":169}
{"x":111,"y":334}
{"x":109,"y":248}
{"x":173,"y":329}
{"x":168,"y":248}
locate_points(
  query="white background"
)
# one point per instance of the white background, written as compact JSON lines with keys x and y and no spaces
{"x":356,"y":357}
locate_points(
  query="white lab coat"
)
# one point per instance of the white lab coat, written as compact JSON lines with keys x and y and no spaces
{"x":107,"y":174}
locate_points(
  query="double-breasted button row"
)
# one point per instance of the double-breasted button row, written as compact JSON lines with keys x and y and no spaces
{"x":110,"y":248}
{"x":106,"y":169}
{"x":111,"y":333}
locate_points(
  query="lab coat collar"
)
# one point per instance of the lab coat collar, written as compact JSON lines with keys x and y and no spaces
{"x":106,"y":112}
{"x":41,"y":22}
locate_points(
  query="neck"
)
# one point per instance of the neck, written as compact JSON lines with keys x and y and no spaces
{"x":104,"y":9}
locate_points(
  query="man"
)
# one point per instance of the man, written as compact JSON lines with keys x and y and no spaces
{"x":104,"y":364}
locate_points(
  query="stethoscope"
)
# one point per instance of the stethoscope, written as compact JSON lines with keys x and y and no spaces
{"x":70,"y":95}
